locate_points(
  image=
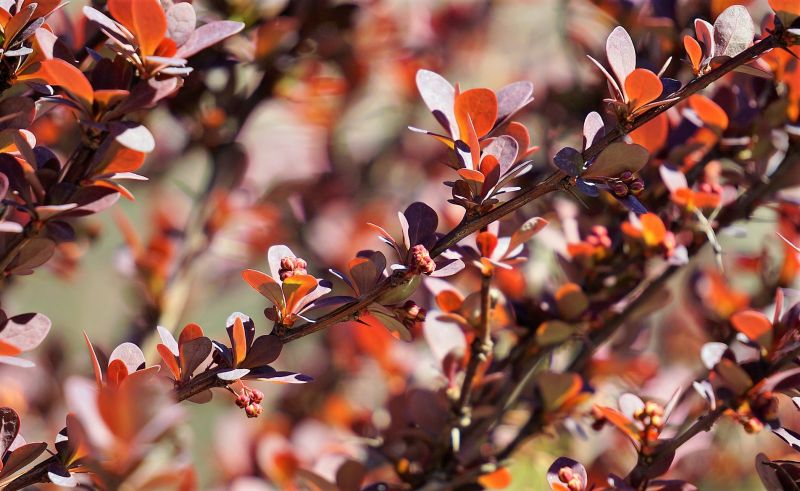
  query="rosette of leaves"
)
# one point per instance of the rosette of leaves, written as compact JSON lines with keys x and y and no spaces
{"x":418,"y":224}
{"x":292,"y":296}
{"x":607,"y":170}
{"x":15,"y":454}
{"x":155,"y":41}
{"x":731,"y":33}
{"x":490,"y":249}
{"x":364,"y":274}
{"x":25,"y":36}
{"x":633,"y":90}
{"x":248,"y":357}
{"x":21,"y":333}
{"x":489,"y":147}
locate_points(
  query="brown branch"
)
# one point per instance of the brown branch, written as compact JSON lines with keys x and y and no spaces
{"x":555,"y":181}
{"x":481,"y":347}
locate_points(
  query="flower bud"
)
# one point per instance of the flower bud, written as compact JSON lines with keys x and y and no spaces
{"x":419,"y":260}
{"x":256,"y":396}
{"x":619,"y":189}
{"x":626,"y":176}
{"x":565,"y":474}
{"x":291,"y":266}
{"x":242,"y":400}
{"x":253,"y":410}
{"x":636,"y":186}
{"x":599,"y":231}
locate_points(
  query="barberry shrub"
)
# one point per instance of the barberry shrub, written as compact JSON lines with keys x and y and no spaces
{"x":595,"y":291}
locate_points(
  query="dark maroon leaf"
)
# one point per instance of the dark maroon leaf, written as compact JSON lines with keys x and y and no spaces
{"x":9,"y":427}
{"x":21,"y":457}
{"x":34,"y":254}
{"x":422,"y":223}
{"x":192,"y":354}
{"x":265,"y":350}
{"x":17,"y":113}
{"x":350,"y":475}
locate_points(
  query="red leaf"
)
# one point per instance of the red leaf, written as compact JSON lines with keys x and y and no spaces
{"x":752,"y":324}
{"x":59,"y":72}
{"x":480,"y":105}
{"x":642,"y":87}
{"x":169,"y":360}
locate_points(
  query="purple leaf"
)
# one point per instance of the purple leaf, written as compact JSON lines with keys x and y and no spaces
{"x":592,"y":128}
{"x":130,"y":355}
{"x":443,"y":336}
{"x":265,"y":350}
{"x":569,"y":160}
{"x":422,"y":223}
{"x":181,"y":22}
{"x":505,"y":149}
{"x":733,"y":31}
{"x":9,"y":427}
{"x":439,"y":96}
{"x":135,"y":137}
{"x":621,"y":54}
{"x":192,"y":354}
{"x":208,"y":35}
{"x":616,"y":159}
{"x":21,"y":457}
{"x":512,"y":98}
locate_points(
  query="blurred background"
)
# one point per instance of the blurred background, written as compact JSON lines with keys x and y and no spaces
{"x":305,"y":141}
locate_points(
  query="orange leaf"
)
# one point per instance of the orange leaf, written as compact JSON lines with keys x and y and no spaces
{"x":486,"y":241}
{"x":98,"y":374}
{"x":117,"y":371}
{"x":653,"y":229}
{"x":59,"y":72}
{"x":642,"y":87}
{"x":695,"y":52}
{"x":709,"y":112}
{"x":621,"y":422}
{"x":169,"y":360}
{"x":297,"y":286}
{"x":480,"y":105}
{"x":449,"y":301}
{"x":150,"y":24}
{"x":190,"y":331}
{"x":239,"y":341}
{"x":125,"y":160}
{"x":7,"y":349}
{"x":265,"y":285}
{"x":499,"y":479}
{"x":653,"y":134}
{"x":752,"y":324}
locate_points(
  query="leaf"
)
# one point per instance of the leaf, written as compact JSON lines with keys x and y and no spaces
{"x":181,"y":22}
{"x":188,"y":333}
{"x":553,"y":332}
{"x":653,"y":229}
{"x":480,"y":107}
{"x":168,"y":339}
{"x":25,"y":331}
{"x":193,"y":353}
{"x":578,"y":471}
{"x":9,"y":427}
{"x":265,"y":350}
{"x":130,"y":355}
{"x":59,"y":72}
{"x":169,"y":360}
{"x":116,"y":373}
{"x":733,"y":376}
{"x":621,"y":53}
{"x":786,"y":10}
{"x":499,"y":479}
{"x":350,"y":475}
{"x":705,"y":34}
{"x":653,"y":134}
{"x":232,"y":375}
{"x":792,"y":438}
{"x":265,"y":285}
{"x":238,"y":341}
{"x":296,"y":288}
{"x":569,"y":160}
{"x":557,"y":389}
{"x":439,"y":95}
{"x":755,"y":325}
{"x":444,"y":336}
{"x":733,"y":31}
{"x":694,"y":51}
{"x":571,"y":301}
{"x":21,"y":457}
{"x":592,"y":129}
{"x":505,"y":149}
{"x":512,"y":98}
{"x":422,"y":223}
{"x":208,"y":35}
{"x":134,"y":137}
{"x":711,"y":354}
{"x":616,"y":159}
{"x":642,"y":87}
{"x":621,"y":422}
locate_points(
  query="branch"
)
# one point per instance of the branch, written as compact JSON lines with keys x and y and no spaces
{"x":481,"y":347}
{"x":555,"y":181}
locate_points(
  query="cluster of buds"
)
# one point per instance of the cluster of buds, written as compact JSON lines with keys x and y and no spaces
{"x":598,"y":237}
{"x":711,"y":188}
{"x":751,"y":414}
{"x":625,"y":184}
{"x":652,"y":418}
{"x":291,"y":266}
{"x":250,"y":400}
{"x":410,"y":314}
{"x":571,"y":480}
{"x":419,"y":261}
